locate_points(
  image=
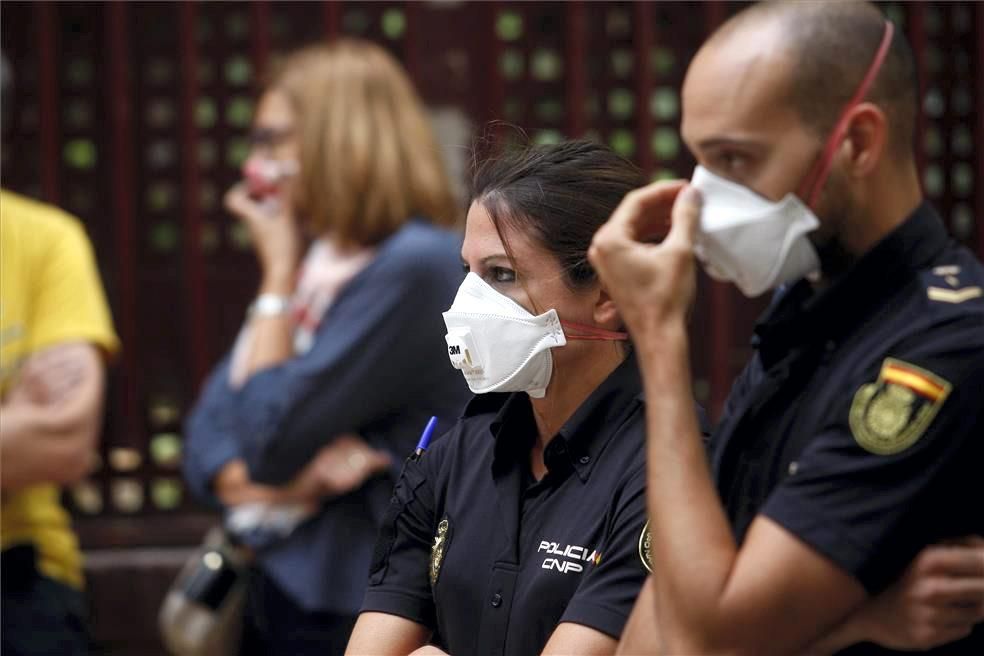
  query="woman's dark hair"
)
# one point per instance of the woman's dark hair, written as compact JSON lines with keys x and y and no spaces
{"x":558,"y":195}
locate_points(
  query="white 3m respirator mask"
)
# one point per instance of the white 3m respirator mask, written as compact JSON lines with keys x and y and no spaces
{"x":759,"y":244}
{"x":500,"y":346}
{"x":748,"y":240}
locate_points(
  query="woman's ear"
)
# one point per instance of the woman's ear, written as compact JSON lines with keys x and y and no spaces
{"x":605,"y":311}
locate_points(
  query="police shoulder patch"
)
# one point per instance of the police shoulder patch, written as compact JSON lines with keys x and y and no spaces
{"x":646,"y":548}
{"x":955,"y":290}
{"x":441,"y":539}
{"x":892,"y":413}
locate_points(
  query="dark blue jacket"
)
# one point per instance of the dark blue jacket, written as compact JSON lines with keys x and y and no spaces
{"x":378,"y":368}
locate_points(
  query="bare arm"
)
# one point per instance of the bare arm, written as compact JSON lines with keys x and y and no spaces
{"x":389,"y":635}
{"x":429,"y":650}
{"x":233,"y":486}
{"x":641,"y":634}
{"x":52,"y":417}
{"x":382,"y":634}
{"x":277,"y":242}
{"x":271,"y":341}
{"x":713,"y":597}
{"x":938,"y":600}
{"x":338,"y":468}
{"x":572,"y":639}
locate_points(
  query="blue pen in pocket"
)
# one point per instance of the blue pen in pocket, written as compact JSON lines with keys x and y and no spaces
{"x":425,"y":439}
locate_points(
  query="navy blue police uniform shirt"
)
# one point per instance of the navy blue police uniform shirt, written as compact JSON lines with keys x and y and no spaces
{"x":492,"y":559}
{"x":858,"y":425}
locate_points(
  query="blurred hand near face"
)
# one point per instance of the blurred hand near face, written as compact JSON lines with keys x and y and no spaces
{"x":653,"y":284}
{"x":272,"y":228}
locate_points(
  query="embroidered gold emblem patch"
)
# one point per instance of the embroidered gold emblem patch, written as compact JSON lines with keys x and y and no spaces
{"x":891,"y":414}
{"x":437,"y":551}
{"x":646,"y":548}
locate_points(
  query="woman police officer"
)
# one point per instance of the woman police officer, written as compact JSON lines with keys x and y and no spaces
{"x":521,"y":528}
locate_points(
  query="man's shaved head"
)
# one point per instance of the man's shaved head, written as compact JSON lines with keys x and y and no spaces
{"x":831,"y":45}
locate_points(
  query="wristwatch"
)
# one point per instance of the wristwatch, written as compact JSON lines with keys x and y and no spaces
{"x":269,"y":305}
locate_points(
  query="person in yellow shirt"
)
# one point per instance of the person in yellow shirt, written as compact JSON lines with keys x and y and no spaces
{"x":56,"y":335}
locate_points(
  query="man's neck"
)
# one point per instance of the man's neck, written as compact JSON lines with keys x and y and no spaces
{"x":894,"y":197}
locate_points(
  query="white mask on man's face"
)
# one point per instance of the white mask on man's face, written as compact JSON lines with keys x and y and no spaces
{"x":749,"y":240}
{"x":756,"y":243}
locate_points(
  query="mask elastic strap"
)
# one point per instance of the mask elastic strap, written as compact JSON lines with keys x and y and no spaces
{"x":591,"y":333}
{"x":822,"y":170}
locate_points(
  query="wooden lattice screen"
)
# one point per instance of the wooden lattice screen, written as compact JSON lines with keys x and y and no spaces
{"x":133,"y":116}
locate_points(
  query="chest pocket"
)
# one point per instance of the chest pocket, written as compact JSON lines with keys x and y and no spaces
{"x":404,"y":495}
{"x":763,"y":439}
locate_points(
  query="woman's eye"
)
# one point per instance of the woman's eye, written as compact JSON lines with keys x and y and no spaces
{"x":501,"y":274}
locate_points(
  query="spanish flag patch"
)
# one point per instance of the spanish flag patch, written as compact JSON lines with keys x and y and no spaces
{"x":891,"y":414}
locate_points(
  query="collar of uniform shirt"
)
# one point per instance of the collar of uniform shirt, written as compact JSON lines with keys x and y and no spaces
{"x":800,"y":314}
{"x":582,"y":437}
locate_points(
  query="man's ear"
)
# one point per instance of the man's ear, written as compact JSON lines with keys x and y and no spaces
{"x":867,"y":136}
{"x":605,"y":312}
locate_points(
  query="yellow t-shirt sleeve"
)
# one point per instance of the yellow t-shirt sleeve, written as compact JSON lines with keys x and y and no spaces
{"x":70,"y":304}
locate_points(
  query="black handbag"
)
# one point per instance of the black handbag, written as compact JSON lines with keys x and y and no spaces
{"x":202,"y":613}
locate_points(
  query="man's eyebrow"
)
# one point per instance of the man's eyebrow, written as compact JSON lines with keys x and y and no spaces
{"x":718,"y":142}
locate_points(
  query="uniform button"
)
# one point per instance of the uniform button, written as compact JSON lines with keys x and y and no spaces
{"x":496,"y":600}
{"x":584,"y":460}
{"x":793,"y":468}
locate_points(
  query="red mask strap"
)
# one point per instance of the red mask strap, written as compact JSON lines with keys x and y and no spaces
{"x":822,"y":169}
{"x":591,"y":333}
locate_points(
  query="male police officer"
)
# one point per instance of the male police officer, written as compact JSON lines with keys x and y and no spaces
{"x":853,"y":438}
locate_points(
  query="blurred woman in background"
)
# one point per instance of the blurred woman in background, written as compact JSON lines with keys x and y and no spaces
{"x":341,"y":359}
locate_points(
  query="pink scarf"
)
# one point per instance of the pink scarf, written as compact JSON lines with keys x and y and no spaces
{"x":324,"y":273}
